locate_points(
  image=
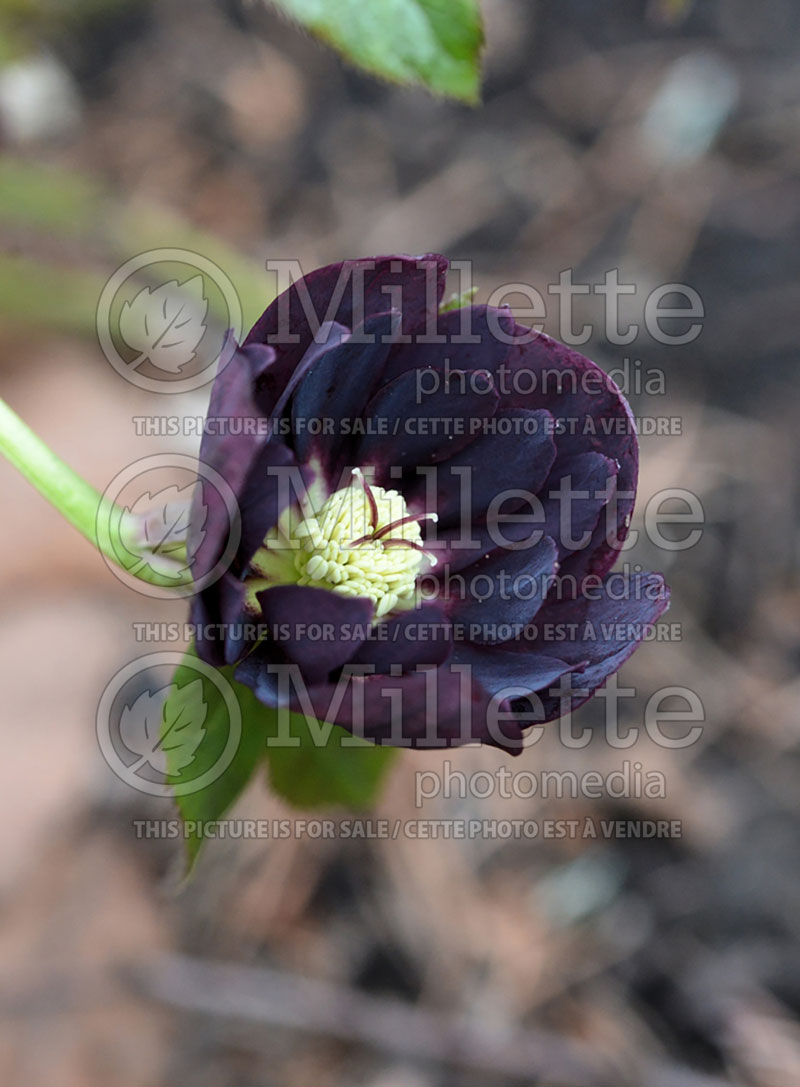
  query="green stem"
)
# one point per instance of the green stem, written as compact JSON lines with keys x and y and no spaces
{"x":73,"y":497}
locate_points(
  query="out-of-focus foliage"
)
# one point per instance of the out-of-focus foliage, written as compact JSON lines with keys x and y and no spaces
{"x":435,"y":43}
{"x":56,"y":204}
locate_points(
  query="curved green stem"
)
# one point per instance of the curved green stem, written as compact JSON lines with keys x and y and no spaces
{"x":74,"y":498}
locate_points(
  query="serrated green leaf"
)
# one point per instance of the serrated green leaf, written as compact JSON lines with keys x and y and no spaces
{"x":435,"y":43}
{"x":327,"y":768}
{"x":183,"y":724}
{"x":209,"y":803}
{"x":342,"y":772}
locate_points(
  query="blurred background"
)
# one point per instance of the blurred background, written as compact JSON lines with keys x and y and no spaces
{"x":657,"y":138}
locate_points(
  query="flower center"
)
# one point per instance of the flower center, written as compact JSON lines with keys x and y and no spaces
{"x":363,"y":542}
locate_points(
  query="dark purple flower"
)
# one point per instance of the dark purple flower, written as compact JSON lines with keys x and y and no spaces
{"x":431,"y":505}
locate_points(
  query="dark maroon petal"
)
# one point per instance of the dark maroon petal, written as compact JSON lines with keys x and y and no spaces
{"x":336,"y":389}
{"x":496,"y":463}
{"x":258,"y":672}
{"x":408,"y":429}
{"x":414,"y":285}
{"x":449,"y":352}
{"x":228,"y":450}
{"x":266,"y":491}
{"x":534,"y":371}
{"x":418,"y":637}
{"x":607,"y":538}
{"x":438,"y":707}
{"x":514,"y":526}
{"x":458,"y":547}
{"x":601,"y":617}
{"x":316,"y":629}
{"x":503,"y":588}
{"x":498,"y":669}
{"x":591,"y":478}
{"x":330,"y":336}
{"x":603,"y":632}
{"x":223,"y":629}
{"x":599,"y":419}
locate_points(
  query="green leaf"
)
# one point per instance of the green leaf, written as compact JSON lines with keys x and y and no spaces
{"x":327,"y":767}
{"x":222,"y":777}
{"x":158,"y":727}
{"x":183,"y":727}
{"x":324,"y":767}
{"x":433,"y":42}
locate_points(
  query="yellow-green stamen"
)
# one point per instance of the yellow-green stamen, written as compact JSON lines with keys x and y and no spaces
{"x":361,"y":542}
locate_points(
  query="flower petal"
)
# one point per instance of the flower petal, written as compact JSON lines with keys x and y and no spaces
{"x":408,"y":429}
{"x":336,"y":389}
{"x":603,"y":632}
{"x":230,"y":451}
{"x":330,"y":336}
{"x":315,"y":629}
{"x":572,"y":516}
{"x":432,"y":708}
{"x":452,"y":349}
{"x":413,"y":284}
{"x":599,"y":419}
{"x":517,"y":461}
{"x":220,"y":621}
{"x":497,"y":669}
{"x":415,"y":638}
{"x":503,"y":589}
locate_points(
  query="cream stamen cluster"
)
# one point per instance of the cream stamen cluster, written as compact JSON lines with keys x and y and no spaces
{"x":363,"y":542}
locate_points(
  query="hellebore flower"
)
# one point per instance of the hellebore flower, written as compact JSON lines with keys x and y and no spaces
{"x":431,"y":504}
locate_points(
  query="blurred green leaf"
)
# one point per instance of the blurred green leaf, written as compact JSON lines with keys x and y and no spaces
{"x":342,"y":772}
{"x":433,"y":42}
